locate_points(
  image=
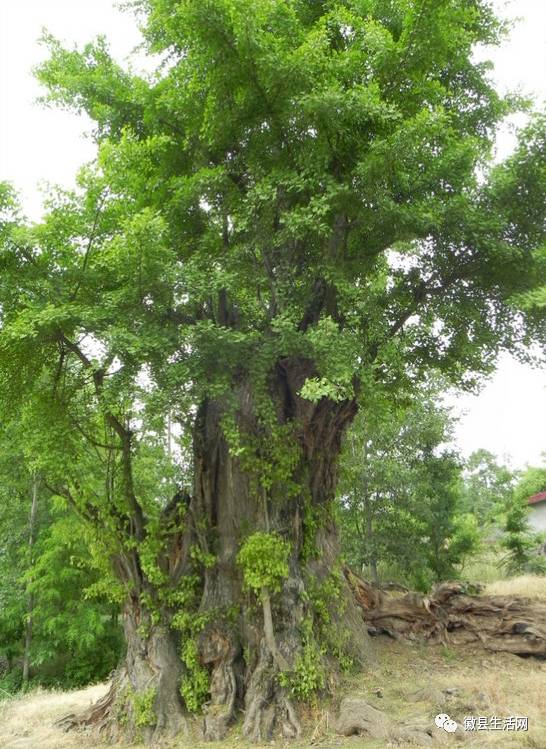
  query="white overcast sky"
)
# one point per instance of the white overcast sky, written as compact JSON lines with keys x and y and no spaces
{"x":39,"y":146}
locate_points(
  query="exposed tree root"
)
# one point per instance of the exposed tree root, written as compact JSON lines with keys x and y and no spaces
{"x":450,"y":615}
{"x":143,"y":702}
{"x":357,"y":717}
{"x":268,"y":707}
{"x":95,"y":717}
{"x":114,"y":717}
{"x":219,"y":654}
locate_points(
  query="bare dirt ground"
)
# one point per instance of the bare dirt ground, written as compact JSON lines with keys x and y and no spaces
{"x":418,"y":682}
{"x":410,"y":683}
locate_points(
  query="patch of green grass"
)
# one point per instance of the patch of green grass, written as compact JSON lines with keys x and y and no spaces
{"x":448,"y":654}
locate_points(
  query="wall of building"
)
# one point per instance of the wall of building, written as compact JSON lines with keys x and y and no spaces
{"x":537,"y":517}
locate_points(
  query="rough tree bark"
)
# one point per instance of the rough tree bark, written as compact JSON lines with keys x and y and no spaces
{"x":143,"y":701}
{"x":452,"y":616}
{"x":246,"y":643}
{"x":144,"y":698}
{"x":243,"y":661}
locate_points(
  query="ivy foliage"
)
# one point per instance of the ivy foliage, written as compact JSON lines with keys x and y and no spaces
{"x":143,"y":705}
{"x":308,"y":675}
{"x":263,"y":557}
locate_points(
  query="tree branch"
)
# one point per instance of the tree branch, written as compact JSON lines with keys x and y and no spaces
{"x":138,"y":520}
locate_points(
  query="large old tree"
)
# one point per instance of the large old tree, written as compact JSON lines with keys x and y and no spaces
{"x":296,"y":210}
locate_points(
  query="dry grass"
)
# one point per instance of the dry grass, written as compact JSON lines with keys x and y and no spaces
{"x":412,"y":683}
{"x":27,"y":722}
{"x":530,"y":586}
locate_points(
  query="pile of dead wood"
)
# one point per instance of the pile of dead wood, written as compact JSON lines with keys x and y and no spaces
{"x":452,"y":615}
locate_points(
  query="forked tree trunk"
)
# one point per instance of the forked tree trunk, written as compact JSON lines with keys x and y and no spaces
{"x":236,"y":646}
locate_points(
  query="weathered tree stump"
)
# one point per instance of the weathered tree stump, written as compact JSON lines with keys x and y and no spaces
{"x":449,"y":614}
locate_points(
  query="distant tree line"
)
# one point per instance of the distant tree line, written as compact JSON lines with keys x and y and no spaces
{"x":412,"y":510}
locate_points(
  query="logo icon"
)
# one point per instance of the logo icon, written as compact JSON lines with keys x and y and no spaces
{"x":443,"y":720}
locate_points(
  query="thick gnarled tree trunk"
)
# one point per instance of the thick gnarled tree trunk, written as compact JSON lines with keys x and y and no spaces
{"x":251,"y":648}
{"x":143,"y":702}
{"x":251,"y":661}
